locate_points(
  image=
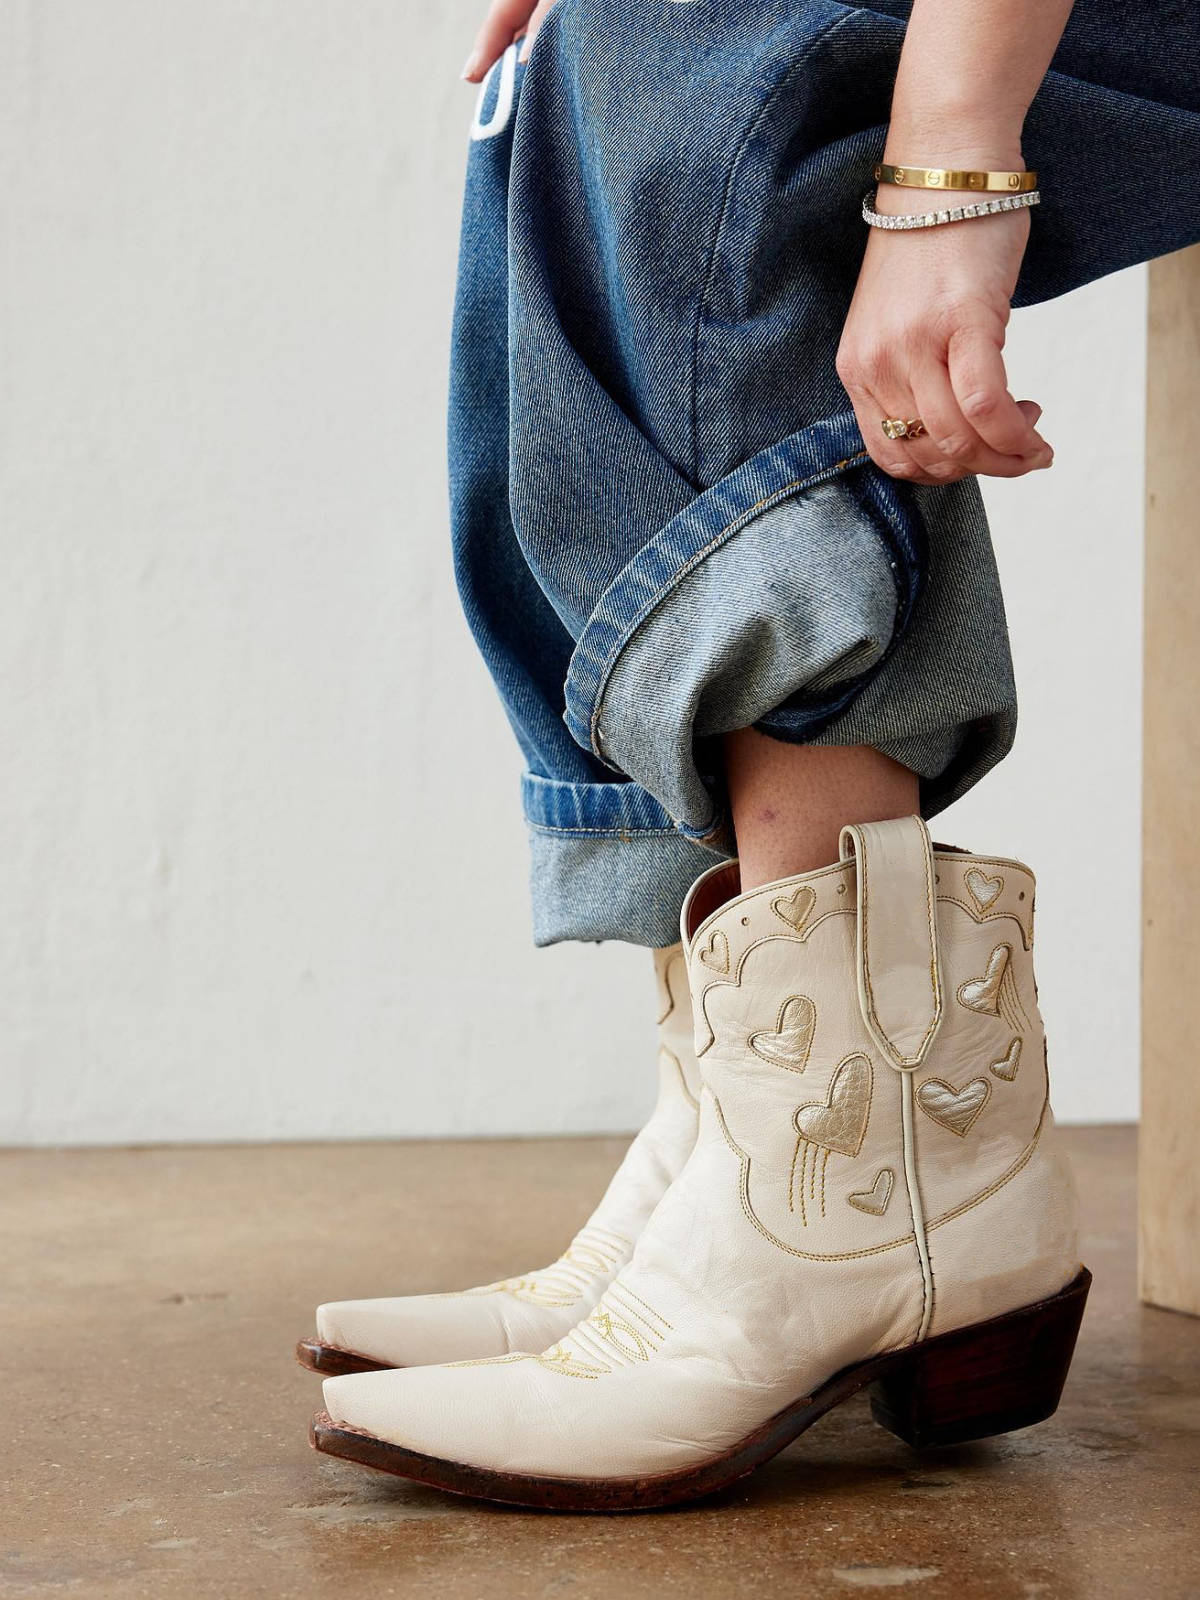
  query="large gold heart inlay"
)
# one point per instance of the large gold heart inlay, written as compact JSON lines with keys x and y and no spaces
{"x":788,"y":1046}
{"x":841,"y":1123}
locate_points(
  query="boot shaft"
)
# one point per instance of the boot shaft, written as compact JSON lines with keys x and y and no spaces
{"x":871,"y":1040}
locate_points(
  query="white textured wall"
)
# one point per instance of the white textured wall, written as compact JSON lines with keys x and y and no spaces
{"x":262,"y":866}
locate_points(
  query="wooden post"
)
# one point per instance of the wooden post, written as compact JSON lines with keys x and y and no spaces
{"x":1169,"y":1173}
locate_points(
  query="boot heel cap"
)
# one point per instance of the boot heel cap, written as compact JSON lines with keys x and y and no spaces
{"x":991,"y":1378}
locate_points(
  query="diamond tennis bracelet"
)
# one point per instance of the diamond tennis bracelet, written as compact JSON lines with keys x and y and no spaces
{"x":934,"y":219}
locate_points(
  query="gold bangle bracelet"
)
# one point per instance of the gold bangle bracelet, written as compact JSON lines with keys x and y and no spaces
{"x":949,"y":178}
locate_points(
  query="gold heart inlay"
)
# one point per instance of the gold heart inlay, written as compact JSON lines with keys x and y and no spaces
{"x":875,"y":1201}
{"x":841,"y":1122}
{"x":792,"y":1039}
{"x":983,"y":994}
{"x":795,"y":909}
{"x":983,"y":890}
{"x":1006,"y":1067}
{"x":716,"y":953}
{"x":955,"y":1109}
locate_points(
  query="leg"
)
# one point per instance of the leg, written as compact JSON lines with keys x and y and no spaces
{"x":789,"y":801}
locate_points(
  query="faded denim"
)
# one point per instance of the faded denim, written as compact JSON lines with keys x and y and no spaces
{"x":664,"y":523}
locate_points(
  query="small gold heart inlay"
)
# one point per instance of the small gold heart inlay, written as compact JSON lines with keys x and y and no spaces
{"x":795,"y":909}
{"x":955,"y":1109}
{"x":875,"y":1201}
{"x":983,"y":890}
{"x":1006,"y":1067}
{"x":983,"y":994}
{"x":716,"y":952}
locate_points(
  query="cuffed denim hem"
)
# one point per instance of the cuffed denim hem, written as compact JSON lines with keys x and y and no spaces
{"x":944,"y":704}
{"x":607,"y":863}
{"x":789,"y":581}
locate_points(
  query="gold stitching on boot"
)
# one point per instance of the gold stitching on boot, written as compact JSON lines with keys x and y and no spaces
{"x":716,"y":954}
{"x":1005,"y":1177}
{"x":734,"y":981}
{"x":490,"y":1361}
{"x":678,"y":1065}
{"x":663,"y":971}
{"x":557,"y":1359}
{"x":876,"y":1249}
{"x":792,"y":1173}
{"x":625,"y":1289}
{"x":617,"y":1291}
{"x":1012,"y":1007}
{"x":862,"y":872}
{"x":613,"y":1331}
{"x":1000,"y":906}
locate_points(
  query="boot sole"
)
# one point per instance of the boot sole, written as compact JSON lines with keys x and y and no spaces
{"x":990,"y":1378}
{"x":331,"y":1362}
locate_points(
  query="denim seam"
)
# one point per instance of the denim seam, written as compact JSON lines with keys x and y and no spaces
{"x":735,"y":166}
{"x":735,"y":525}
{"x":607,"y":833}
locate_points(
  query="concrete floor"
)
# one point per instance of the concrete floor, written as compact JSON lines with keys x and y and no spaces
{"x":148,"y":1305}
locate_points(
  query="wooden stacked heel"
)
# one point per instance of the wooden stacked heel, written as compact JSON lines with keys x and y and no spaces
{"x":988,"y":1379}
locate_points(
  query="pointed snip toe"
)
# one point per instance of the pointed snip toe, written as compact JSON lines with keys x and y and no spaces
{"x":330,"y":1362}
{"x":531,"y":1311}
{"x":976,"y":1383}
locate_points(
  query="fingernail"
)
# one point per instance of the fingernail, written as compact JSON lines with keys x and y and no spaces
{"x":471,"y":65}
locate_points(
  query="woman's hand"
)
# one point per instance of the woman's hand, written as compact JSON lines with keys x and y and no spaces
{"x":925,"y":333}
{"x":924,"y":339}
{"x":506,"y":21}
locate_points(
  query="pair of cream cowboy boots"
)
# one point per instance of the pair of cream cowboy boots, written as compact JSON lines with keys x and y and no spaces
{"x":872,"y":1196}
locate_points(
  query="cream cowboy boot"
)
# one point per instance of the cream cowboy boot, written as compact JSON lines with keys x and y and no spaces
{"x":533,"y":1311}
{"x":875,"y":1197}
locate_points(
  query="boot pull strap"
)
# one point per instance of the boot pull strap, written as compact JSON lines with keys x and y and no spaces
{"x":899,"y":985}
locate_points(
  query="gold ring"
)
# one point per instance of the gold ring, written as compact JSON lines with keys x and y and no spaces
{"x":898,"y":428}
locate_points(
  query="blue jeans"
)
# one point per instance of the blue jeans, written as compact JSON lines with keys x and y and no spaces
{"x":665,"y":526}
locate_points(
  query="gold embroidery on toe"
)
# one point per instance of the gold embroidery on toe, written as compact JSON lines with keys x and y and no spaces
{"x":615,"y":1328}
